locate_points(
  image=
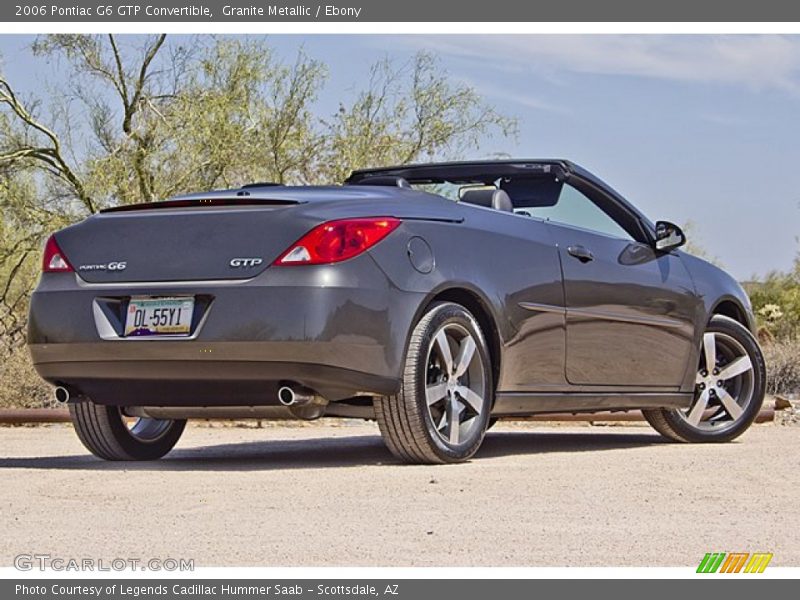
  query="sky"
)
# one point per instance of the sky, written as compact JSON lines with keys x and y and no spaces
{"x":689,"y":128}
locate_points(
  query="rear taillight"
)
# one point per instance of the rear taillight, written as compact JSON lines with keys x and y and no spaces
{"x":54,"y":260}
{"x":336,"y":241}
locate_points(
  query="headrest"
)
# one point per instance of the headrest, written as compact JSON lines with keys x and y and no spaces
{"x":496,"y":199}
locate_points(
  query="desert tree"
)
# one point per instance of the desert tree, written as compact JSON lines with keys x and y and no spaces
{"x":408,"y":112}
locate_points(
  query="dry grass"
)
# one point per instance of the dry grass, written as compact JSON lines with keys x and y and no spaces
{"x":20,"y":385}
{"x":783,"y":367}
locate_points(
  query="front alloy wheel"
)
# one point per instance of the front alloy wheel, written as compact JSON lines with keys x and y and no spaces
{"x":729,"y":388}
{"x":442,"y":411}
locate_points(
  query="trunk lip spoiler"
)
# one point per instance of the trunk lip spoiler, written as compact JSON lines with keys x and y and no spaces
{"x":211,"y":201}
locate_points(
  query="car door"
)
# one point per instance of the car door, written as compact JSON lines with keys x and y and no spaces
{"x":629,"y":309}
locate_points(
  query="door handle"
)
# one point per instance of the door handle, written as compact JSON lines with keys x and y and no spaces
{"x":581,"y":253}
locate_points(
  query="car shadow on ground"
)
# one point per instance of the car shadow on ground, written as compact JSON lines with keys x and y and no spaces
{"x":333,"y":452}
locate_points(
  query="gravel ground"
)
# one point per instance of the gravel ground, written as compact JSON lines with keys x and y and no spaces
{"x":536,"y":495}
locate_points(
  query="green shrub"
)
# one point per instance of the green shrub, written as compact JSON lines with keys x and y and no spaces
{"x":776,"y":303}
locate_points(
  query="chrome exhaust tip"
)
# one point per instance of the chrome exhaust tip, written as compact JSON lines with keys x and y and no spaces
{"x":286,"y":395}
{"x":62,"y":395}
{"x":296,"y":396}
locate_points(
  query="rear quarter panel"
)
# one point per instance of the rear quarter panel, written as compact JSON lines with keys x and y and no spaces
{"x":503,"y":259}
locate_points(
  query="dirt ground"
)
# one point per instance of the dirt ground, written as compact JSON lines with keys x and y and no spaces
{"x":536,"y":495}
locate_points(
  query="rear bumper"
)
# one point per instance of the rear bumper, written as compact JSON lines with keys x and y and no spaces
{"x":212,"y":383}
{"x":339,"y":331}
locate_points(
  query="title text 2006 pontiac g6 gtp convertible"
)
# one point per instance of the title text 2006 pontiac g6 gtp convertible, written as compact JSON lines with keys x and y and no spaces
{"x":539,"y":290}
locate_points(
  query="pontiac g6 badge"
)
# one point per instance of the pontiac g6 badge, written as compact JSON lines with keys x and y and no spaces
{"x":112,"y":266}
{"x":245,"y":263}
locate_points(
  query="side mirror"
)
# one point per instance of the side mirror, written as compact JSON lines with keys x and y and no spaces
{"x":668,"y":236}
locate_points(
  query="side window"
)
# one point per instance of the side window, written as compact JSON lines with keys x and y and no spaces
{"x":575,"y":209}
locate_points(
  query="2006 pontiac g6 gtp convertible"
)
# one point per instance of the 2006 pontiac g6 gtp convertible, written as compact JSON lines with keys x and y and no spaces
{"x":432,"y":298}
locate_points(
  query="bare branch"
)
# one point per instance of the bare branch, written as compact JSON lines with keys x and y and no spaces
{"x":123,"y":86}
{"x":131,"y":107}
{"x":52,"y":155}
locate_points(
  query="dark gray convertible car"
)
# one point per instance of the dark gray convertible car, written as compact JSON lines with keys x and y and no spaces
{"x":433,"y":298}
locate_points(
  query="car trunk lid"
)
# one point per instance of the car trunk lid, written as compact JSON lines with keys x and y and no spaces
{"x":183,"y":240}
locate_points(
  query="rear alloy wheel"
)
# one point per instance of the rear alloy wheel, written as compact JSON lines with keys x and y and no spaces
{"x":729,"y":388}
{"x":442,"y":411}
{"x":110,"y":435}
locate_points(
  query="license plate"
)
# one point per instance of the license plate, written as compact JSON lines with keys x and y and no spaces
{"x":159,"y":316}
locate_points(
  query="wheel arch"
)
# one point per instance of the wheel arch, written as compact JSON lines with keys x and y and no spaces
{"x":731,"y":308}
{"x":479,"y":307}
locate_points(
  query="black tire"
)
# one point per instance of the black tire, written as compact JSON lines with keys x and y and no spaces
{"x":673,"y":425}
{"x":405,"y":420}
{"x":102,"y":429}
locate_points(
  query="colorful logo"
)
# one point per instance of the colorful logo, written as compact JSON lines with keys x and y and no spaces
{"x":734,"y":562}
